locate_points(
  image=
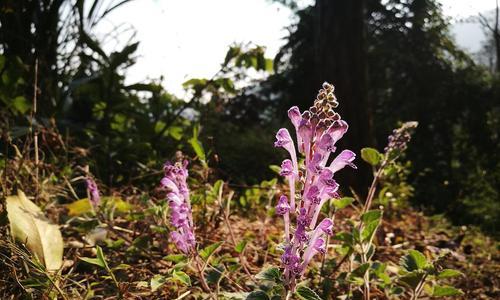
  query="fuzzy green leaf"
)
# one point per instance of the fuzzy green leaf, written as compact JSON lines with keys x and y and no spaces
{"x":157,"y":281}
{"x":257,"y":295}
{"x":413,"y":261}
{"x":305,"y":293}
{"x":371,"y":156}
{"x":270,"y":274}
{"x":448,"y":273}
{"x":371,"y":215}
{"x":175,"y":258}
{"x":342,"y":202}
{"x":206,"y":252}
{"x":181,"y":277}
{"x":445,"y":291}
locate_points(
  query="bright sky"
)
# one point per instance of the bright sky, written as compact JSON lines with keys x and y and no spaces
{"x":182,"y":39}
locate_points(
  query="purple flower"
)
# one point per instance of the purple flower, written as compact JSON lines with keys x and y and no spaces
{"x":326,"y":226}
{"x":95,"y":198}
{"x":313,"y":194}
{"x":295,"y":116}
{"x":286,"y":168}
{"x":181,"y":217}
{"x":318,"y":130}
{"x":283,"y":207}
{"x":345,"y":158}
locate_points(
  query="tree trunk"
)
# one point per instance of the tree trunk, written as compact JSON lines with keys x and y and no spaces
{"x":341,"y":59}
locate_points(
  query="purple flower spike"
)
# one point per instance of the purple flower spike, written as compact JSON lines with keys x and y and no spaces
{"x":318,"y":130}
{"x":95,"y":198}
{"x":180,"y":241}
{"x":181,"y":218}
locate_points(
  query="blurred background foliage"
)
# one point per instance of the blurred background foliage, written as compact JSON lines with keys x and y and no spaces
{"x":390,"y":61}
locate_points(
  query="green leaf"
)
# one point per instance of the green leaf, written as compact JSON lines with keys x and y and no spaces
{"x":448,"y":273}
{"x":101,"y":257}
{"x":270,"y":274}
{"x":175,"y":258}
{"x":342,"y":202}
{"x":79,"y":207}
{"x":29,"y":225}
{"x":194,"y":82}
{"x":269,"y":65}
{"x":345,"y":237}
{"x":371,"y":156}
{"x":206,"y":252}
{"x":20,"y":104}
{"x":241,"y":246}
{"x":92,"y":44}
{"x":197,"y":146}
{"x":157,"y":281}
{"x":257,"y":295}
{"x":175,"y":132}
{"x":232,"y":53}
{"x":445,"y":291}
{"x":94,"y":261}
{"x":361,"y":270}
{"x":182,"y":277}
{"x":369,"y":230}
{"x":413,"y":261}
{"x":412,"y":279}
{"x":83,"y":206}
{"x":371,"y":215}
{"x":305,"y":293}
{"x":276,"y":169}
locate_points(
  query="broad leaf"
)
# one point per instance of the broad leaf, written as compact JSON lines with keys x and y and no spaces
{"x":181,"y":277}
{"x":342,"y":202}
{"x":413,"y":261}
{"x":175,"y":258}
{"x":371,"y":156}
{"x":305,"y":293}
{"x":371,"y":215}
{"x":83,"y":206}
{"x":270,"y":274}
{"x":412,"y":279}
{"x":445,"y":291}
{"x":157,"y":281}
{"x":447,"y":273}
{"x":29,"y":225}
{"x":206,"y":252}
{"x":369,"y":230}
{"x":257,"y":295}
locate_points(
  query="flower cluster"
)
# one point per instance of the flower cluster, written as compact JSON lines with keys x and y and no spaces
{"x":318,"y":130}
{"x":93,"y":191}
{"x":180,"y":207}
{"x":399,"y":139}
